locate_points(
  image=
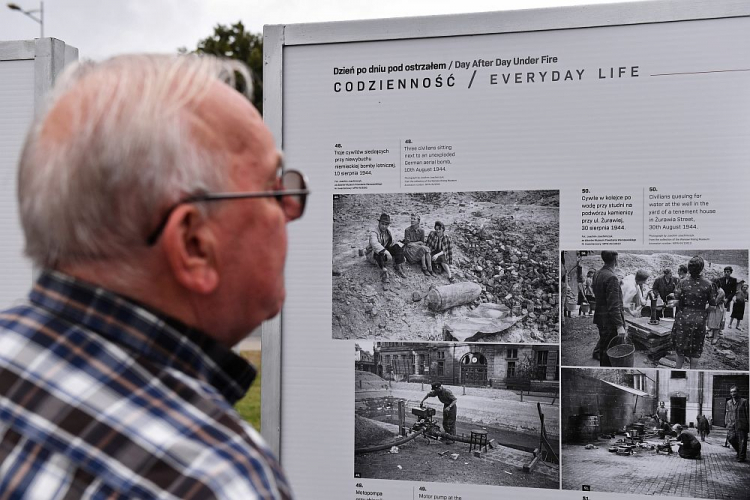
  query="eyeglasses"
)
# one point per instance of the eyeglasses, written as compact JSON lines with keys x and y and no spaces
{"x":292,"y":198}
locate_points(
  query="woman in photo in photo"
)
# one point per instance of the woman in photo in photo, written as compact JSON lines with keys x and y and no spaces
{"x":440,"y":247}
{"x":692,"y":295}
{"x":415,"y":249}
{"x":738,"y":309}
{"x":715,"y":321}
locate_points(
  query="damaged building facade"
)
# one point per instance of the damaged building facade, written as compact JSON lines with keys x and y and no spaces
{"x":364,"y":361}
{"x":602,"y":401}
{"x":466,"y":364}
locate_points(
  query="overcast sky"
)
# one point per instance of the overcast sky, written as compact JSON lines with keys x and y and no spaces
{"x":101,"y":28}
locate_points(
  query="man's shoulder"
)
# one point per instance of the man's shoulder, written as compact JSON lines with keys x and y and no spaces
{"x":161,"y":419}
{"x":23,"y":323}
{"x":604,"y":274}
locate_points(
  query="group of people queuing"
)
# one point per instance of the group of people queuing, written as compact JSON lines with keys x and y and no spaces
{"x":434,"y":253}
{"x":584,"y":293}
{"x":697,"y":305}
{"x":736,"y":422}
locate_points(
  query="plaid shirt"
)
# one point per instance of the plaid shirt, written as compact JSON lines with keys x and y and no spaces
{"x":101,"y":398}
{"x":440,"y":243}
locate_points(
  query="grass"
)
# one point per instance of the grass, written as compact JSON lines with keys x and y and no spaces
{"x":249,"y":406}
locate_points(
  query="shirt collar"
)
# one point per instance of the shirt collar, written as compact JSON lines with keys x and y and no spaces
{"x":145,"y":333}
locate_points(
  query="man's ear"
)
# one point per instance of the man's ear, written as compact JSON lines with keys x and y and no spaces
{"x":190,"y":248}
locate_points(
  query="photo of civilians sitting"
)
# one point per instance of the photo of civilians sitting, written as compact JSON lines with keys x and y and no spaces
{"x":446,"y":266}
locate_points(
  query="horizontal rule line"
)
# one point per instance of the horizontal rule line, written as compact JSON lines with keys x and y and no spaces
{"x":701,"y":72}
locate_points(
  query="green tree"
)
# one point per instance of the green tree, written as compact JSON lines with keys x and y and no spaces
{"x":236,"y":43}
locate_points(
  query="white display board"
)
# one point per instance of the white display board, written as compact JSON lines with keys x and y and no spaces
{"x":27,"y":71}
{"x":621,"y":127}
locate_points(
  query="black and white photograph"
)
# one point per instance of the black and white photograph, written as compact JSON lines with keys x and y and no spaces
{"x":457,"y":413}
{"x":655,"y":432}
{"x":683,"y":309}
{"x":467,"y":267}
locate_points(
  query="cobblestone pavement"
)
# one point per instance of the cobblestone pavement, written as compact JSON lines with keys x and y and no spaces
{"x":717,"y":475}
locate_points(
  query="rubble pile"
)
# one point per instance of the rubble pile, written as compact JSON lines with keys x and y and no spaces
{"x":539,"y":198}
{"x":516,"y":266}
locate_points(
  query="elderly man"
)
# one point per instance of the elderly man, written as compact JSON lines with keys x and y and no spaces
{"x":152,"y":202}
{"x":608,"y":315}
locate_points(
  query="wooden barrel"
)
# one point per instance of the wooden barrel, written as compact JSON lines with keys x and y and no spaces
{"x":445,"y":297}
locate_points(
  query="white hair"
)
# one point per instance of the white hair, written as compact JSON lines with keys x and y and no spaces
{"x":113,"y":149}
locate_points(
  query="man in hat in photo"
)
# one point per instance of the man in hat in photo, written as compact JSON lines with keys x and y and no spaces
{"x":382,"y":247}
{"x":449,"y":408}
{"x":737,"y":423}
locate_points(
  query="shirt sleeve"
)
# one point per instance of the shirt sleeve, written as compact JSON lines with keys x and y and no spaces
{"x":432,"y":240}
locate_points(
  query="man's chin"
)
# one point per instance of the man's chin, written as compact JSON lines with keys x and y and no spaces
{"x":275,"y":308}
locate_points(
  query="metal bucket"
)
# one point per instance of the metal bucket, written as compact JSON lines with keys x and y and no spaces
{"x":620,"y":352}
{"x":585,"y":308}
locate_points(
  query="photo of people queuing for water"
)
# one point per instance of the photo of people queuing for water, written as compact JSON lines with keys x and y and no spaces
{"x":475,"y":266}
{"x":457,"y":413}
{"x":655,"y":432}
{"x":683,"y":309}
